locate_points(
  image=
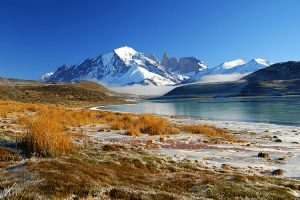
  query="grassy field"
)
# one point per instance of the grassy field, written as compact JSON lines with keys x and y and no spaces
{"x":59,"y":163}
{"x":84,"y":93}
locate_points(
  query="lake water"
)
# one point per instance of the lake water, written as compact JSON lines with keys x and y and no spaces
{"x":276,"y":110}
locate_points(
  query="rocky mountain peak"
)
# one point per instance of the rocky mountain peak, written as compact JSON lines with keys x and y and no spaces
{"x":165,"y":61}
{"x":122,"y":66}
{"x":190,"y":64}
{"x":260,"y":61}
{"x":186,"y":66}
{"x":153,"y":57}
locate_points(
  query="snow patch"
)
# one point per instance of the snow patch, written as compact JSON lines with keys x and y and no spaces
{"x":202,"y":66}
{"x":126,"y":53}
{"x":46,"y":76}
{"x":233,"y":63}
{"x":262,"y":61}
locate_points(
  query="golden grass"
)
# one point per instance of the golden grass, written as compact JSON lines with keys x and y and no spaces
{"x":46,"y":137}
{"x":3,"y":113}
{"x":152,"y":125}
{"x":208,"y":131}
{"x":133,"y":132}
{"x":47,"y":125}
{"x":45,"y":134}
{"x":146,"y":124}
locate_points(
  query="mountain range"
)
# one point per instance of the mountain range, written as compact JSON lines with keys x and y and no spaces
{"x":276,"y":80}
{"x":232,"y":70}
{"x":125,"y":66}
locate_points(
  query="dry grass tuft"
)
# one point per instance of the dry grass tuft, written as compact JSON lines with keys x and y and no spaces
{"x":46,"y":137}
{"x":152,"y":125}
{"x":45,"y":134}
{"x":146,"y":124}
{"x":3,"y":112}
{"x":133,"y":132}
{"x":209,"y":131}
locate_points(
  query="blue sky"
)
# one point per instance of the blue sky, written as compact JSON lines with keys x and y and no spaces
{"x":37,"y":36}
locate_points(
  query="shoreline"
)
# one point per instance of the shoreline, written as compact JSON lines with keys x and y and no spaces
{"x":178,"y":97}
{"x":102,"y":108}
{"x":258,"y":137}
{"x":141,"y":107}
{"x":105,"y":153}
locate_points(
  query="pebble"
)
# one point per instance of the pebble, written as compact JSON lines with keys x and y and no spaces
{"x":277,"y":172}
{"x":278,"y":140}
{"x":263,"y":155}
{"x":226,"y":167}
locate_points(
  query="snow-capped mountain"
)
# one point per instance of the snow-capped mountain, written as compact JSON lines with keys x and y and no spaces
{"x":123,"y":66}
{"x":47,"y":76}
{"x":230,"y":71}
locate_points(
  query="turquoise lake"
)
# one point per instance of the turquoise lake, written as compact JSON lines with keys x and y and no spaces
{"x":276,"y":110}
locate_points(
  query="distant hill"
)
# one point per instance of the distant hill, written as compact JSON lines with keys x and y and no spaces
{"x":275,"y":80}
{"x":279,"y":71}
{"x":278,"y":79}
{"x":17,"y":82}
{"x":83,"y":93}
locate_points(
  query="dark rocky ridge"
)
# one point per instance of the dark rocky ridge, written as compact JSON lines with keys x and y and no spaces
{"x":279,"y":71}
{"x":185,"y":65}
